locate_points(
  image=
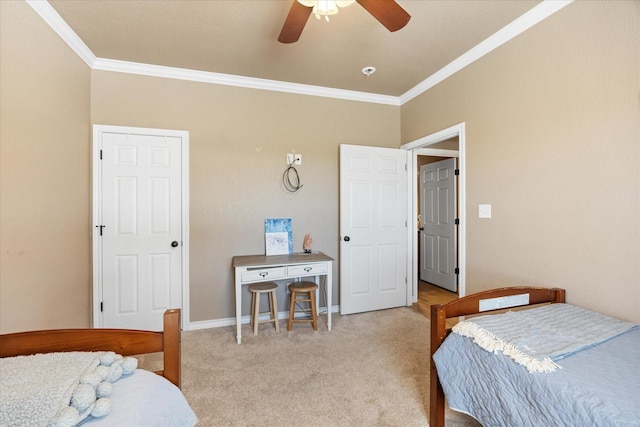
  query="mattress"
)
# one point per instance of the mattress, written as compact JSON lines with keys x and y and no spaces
{"x":100,"y":388}
{"x":146,"y":399}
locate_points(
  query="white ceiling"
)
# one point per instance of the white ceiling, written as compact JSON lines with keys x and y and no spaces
{"x":239,"y":37}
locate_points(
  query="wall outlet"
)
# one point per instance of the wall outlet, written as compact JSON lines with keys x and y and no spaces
{"x":297,"y":157}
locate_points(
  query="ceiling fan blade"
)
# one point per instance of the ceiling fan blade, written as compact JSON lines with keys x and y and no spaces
{"x":388,"y":12}
{"x":295,"y":22}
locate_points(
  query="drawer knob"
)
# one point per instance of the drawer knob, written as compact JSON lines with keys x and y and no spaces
{"x":264,"y":273}
{"x":308,"y":269}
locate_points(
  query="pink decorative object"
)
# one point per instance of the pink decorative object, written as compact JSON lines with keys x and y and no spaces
{"x":306,"y":245}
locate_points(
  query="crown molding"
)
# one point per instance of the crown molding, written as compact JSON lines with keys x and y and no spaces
{"x":55,"y":21}
{"x":239,"y":81}
{"x":521,"y":24}
{"x":540,"y":12}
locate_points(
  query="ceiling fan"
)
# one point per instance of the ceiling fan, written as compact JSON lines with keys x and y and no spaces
{"x":387,"y":12}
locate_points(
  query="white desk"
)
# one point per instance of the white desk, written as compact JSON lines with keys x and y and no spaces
{"x":262,"y":268}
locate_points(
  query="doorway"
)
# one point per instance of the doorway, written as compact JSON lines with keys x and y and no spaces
{"x":435,"y":145}
{"x":429,"y":294}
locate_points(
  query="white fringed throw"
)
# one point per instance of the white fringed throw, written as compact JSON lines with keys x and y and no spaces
{"x":539,"y":337}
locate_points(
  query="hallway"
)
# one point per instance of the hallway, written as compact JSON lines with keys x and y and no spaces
{"x":430,"y":294}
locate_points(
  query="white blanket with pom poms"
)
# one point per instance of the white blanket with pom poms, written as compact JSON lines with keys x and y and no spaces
{"x":58,"y":389}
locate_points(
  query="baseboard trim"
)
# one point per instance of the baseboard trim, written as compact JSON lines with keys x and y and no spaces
{"x":230,"y":321}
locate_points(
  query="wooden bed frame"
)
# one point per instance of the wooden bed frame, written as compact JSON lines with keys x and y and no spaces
{"x":466,"y":306}
{"x":126,"y":342}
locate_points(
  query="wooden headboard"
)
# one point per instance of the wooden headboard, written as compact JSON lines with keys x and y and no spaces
{"x":126,"y":342}
{"x":482,"y":302}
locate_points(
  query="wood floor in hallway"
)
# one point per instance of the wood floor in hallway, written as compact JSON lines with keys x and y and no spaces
{"x":429,"y":294}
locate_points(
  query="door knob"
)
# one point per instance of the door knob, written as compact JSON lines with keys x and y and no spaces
{"x":174,"y":244}
{"x":347,"y":238}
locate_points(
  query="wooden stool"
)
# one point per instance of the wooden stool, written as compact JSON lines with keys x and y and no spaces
{"x":301,"y":288}
{"x":256,"y":290}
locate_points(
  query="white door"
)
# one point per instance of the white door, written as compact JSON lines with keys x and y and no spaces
{"x":438,"y":249}
{"x":373,"y":228}
{"x":139,"y":225}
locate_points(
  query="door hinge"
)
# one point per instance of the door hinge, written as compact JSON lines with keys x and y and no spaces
{"x":100,"y":154}
{"x":457,"y":172}
{"x":456,"y":221}
{"x":100,"y":227}
{"x":456,"y":270}
{"x":101,"y":306}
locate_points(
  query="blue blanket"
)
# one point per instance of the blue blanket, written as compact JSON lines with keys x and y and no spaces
{"x":598,"y":386}
{"x":539,"y":337}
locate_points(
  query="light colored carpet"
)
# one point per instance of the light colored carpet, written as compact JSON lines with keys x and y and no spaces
{"x":372,"y":369}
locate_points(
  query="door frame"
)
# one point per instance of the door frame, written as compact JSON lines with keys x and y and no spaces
{"x":420,"y":146}
{"x":96,"y":196}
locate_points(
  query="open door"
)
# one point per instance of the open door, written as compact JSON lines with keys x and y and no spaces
{"x":373,"y":228}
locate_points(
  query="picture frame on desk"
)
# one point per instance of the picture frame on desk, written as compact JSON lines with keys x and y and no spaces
{"x":278,"y":236}
{"x":276,"y":243}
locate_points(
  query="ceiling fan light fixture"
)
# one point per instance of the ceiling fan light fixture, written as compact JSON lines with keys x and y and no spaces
{"x":389,"y":13}
{"x":325,"y":7}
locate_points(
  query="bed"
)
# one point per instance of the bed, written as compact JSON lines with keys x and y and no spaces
{"x":551,"y":364}
{"x":138,"y":397}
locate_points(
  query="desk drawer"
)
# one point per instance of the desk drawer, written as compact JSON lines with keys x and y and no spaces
{"x":263,"y":274}
{"x":307,"y":270}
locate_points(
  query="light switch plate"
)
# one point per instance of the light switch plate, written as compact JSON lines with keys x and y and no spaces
{"x":484,"y":211}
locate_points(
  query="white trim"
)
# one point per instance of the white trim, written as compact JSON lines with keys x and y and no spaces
{"x":96,"y":215}
{"x":57,"y":24}
{"x":521,"y":24}
{"x":185,"y":314}
{"x":97,"y":219}
{"x":411,"y":289}
{"x":231,"y":321}
{"x":437,"y":152}
{"x":420,"y":146}
{"x":239,"y":81}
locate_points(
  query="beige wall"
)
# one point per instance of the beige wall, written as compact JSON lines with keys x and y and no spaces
{"x":44,"y":176}
{"x":239,"y":139}
{"x":553,"y":143}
